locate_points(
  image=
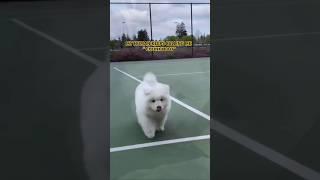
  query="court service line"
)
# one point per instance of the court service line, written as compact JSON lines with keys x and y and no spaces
{"x":58,"y":43}
{"x":264,"y":151}
{"x":159,"y":143}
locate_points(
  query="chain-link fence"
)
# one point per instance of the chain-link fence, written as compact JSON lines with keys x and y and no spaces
{"x":147,"y":29}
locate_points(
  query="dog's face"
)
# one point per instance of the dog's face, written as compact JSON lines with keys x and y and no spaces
{"x":158,"y":104}
{"x":158,"y":98}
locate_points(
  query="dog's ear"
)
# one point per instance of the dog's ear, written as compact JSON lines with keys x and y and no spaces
{"x":146,"y":90}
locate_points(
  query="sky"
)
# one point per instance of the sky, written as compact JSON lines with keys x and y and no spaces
{"x":130,"y":18}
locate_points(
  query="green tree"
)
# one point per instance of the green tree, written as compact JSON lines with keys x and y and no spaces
{"x":186,"y":38}
{"x":171,"y":38}
{"x":143,"y":35}
{"x":123,"y":40}
{"x":181,"y":30}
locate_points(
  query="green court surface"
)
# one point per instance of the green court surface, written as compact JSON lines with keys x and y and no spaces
{"x":189,"y":80}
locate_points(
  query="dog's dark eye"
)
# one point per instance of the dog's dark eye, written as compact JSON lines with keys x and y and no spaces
{"x":161,"y":99}
{"x":153,"y":100}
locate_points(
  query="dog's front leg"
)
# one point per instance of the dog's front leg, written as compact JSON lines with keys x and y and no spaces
{"x":149,"y":132}
{"x":148,"y":129}
{"x":163,"y":122}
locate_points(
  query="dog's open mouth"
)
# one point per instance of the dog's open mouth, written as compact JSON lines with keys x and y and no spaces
{"x":159,"y":109}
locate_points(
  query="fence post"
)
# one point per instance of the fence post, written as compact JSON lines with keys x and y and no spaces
{"x":150,"y":24}
{"x":191,"y":27}
{"x":150,"y":21}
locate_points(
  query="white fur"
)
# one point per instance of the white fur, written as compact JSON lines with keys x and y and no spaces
{"x":149,"y":96}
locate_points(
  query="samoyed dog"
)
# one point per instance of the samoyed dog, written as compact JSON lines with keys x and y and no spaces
{"x":153,"y":104}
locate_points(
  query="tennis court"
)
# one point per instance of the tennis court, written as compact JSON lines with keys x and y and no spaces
{"x":182,"y":150}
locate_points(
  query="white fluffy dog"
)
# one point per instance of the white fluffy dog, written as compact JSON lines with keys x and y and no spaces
{"x":153,"y":104}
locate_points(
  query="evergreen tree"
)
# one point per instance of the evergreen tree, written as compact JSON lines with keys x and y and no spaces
{"x":143,"y":35}
{"x":181,"y":30}
{"x":123,"y":40}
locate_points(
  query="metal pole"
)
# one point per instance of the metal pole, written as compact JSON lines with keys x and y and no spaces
{"x":150,"y":20}
{"x":191,"y":27}
{"x":150,"y":26}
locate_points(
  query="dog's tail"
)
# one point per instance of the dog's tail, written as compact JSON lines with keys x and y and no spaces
{"x":150,"y":78}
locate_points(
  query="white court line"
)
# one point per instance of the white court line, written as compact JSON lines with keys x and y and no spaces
{"x":159,"y":143}
{"x":172,"y":98}
{"x":266,"y":152}
{"x":129,"y":75}
{"x":58,"y":43}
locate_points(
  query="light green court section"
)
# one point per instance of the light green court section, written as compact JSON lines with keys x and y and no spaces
{"x":183,"y":161}
{"x":189,"y":80}
{"x":181,"y":122}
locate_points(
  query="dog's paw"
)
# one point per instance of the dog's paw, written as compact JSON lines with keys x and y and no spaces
{"x":150,"y":134}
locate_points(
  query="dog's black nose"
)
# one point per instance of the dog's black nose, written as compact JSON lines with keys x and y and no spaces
{"x":158,"y":108}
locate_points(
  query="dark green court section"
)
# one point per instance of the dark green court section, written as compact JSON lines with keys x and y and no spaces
{"x":184,"y":161}
{"x":181,"y":122}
